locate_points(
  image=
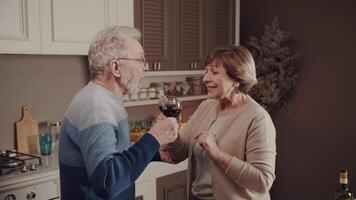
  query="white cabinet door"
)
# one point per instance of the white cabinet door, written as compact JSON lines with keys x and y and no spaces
{"x":67,"y":26}
{"x":19,"y":26}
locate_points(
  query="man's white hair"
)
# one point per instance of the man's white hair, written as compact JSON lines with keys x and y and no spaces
{"x":108,"y":44}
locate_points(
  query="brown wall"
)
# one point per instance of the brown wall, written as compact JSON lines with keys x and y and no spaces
{"x":45,"y":83}
{"x":318,"y":136}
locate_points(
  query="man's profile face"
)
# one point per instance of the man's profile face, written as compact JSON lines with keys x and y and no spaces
{"x":133,"y":70}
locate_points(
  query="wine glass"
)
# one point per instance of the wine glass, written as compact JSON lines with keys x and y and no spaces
{"x":170,"y":106}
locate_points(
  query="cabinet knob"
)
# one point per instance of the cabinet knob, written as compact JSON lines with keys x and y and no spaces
{"x":31,"y":195}
{"x":10,"y":197}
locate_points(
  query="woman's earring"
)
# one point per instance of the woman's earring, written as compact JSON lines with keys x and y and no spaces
{"x":236,"y":90}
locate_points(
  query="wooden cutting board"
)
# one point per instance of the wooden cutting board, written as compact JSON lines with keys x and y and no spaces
{"x":27,"y":133}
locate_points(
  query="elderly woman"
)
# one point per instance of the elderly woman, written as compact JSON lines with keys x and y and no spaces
{"x":230,"y":139}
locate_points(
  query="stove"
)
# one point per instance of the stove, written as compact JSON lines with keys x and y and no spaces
{"x":26,"y":176}
{"x":11,"y":161}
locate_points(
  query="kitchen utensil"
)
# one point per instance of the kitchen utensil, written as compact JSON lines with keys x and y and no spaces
{"x":27,"y":133}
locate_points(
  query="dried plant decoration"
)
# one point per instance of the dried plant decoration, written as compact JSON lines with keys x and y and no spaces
{"x":277,"y":67}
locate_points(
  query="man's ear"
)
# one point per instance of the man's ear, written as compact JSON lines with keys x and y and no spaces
{"x":115,"y":68}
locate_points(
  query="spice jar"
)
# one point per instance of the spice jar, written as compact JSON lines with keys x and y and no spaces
{"x":185,"y":89}
{"x":133,"y":96}
{"x":152,"y":93}
{"x":172,"y":89}
{"x":196,"y":85}
{"x":143,"y":94}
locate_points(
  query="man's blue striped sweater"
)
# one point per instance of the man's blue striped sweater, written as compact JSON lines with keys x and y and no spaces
{"x":95,"y":159}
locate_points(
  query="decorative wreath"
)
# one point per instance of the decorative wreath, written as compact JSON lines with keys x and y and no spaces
{"x":276,"y":67}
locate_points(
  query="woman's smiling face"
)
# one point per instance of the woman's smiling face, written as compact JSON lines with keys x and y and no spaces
{"x":217,"y":81}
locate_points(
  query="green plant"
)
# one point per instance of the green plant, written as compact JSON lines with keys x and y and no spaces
{"x":276,"y":67}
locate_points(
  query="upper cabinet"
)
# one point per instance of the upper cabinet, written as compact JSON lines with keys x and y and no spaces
{"x":19,"y":26}
{"x":59,"y":26}
{"x":190,"y":33}
{"x":67,"y":26}
{"x":224,"y":14}
{"x":154,"y":18}
{"x":177,"y":34}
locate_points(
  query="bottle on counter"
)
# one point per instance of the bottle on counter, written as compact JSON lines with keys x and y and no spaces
{"x":343,"y":192}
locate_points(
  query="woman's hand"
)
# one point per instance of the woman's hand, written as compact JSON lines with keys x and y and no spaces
{"x":208,"y":142}
{"x":165,"y":155}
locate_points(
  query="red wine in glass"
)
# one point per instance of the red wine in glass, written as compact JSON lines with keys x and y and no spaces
{"x":170,"y":106}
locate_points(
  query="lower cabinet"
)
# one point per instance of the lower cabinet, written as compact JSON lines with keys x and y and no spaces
{"x":42,"y":187}
{"x":143,"y":191}
{"x":172,"y":187}
{"x":162,"y":181}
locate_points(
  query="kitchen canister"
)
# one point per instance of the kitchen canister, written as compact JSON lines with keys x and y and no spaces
{"x":143,"y":94}
{"x":152,"y":93}
{"x":55,"y":130}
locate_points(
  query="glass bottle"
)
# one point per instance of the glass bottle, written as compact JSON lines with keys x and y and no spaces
{"x":343,"y":193}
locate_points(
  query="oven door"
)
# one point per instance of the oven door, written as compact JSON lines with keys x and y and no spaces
{"x":44,"y":188}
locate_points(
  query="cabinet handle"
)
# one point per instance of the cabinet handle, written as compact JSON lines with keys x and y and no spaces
{"x":10,"y":197}
{"x":191,"y":65}
{"x":195,"y":65}
{"x":156,"y":66}
{"x":31,"y":195}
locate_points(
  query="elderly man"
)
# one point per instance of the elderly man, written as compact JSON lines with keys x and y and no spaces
{"x":95,"y":158}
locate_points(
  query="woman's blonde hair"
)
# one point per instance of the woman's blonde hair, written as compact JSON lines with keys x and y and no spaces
{"x":238,"y":63}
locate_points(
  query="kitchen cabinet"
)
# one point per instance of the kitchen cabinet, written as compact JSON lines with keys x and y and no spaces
{"x":177,"y":34}
{"x":61,"y":27}
{"x":149,"y":184}
{"x":67,"y":27}
{"x":19,"y":26}
{"x":173,"y":186}
{"x":191,"y":29}
{"x":224,"y":22}
{"x":154,"y":18}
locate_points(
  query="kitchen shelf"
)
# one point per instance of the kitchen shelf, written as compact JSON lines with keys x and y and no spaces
{"x":155,"y":101}
{"x":173,"y":73}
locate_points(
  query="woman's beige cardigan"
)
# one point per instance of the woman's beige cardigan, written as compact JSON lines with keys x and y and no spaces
{"x":249,"y":136}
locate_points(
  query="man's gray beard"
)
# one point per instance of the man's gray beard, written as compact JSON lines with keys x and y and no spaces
{"x":131,"y":86}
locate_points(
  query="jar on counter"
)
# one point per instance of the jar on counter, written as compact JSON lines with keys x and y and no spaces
{"x":152,"y":93}
{"x":196,"y":86}
{"x":161,"y":89}
{"x":126,"y":97}
{"x":179,"y":88}
{"x":133,"y":96}
{"x":143,"y":94}
{"x":185,"y":89}
{"x":55,"y":130}
{"x":172,"y":89}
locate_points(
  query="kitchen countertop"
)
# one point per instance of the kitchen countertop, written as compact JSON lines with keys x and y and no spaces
{"x":48,"y":169}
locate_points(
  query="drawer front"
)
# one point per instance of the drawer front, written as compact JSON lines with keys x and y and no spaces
{"x":41,"y":191}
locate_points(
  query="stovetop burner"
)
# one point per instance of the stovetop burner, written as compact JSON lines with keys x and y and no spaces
{"x":12,"y":160}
